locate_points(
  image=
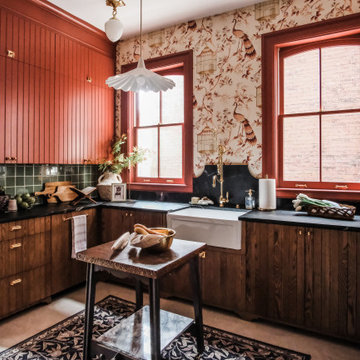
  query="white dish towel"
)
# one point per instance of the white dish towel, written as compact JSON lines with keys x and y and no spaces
{"x":79,"y":234}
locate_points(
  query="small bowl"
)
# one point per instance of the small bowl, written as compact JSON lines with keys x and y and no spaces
{"x":166,"y":242}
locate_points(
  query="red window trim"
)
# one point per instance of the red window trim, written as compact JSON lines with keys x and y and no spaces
{"x":271,"y":43}
{"x":165,"y":62}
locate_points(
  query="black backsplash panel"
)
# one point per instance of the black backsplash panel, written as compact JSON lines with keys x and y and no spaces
{"x":237,"y":180}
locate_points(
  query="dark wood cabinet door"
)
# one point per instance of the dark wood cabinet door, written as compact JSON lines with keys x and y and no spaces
{"x":11,"y":299}
{"x":67,"y":272}
{"x":332,"y":263}
{"x":275,"y":271}
{"x":222,"y":283}
{"x":116,"y":222}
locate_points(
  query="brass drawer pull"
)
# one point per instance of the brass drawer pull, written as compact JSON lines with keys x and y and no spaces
{"x":303,"y":186}
{"x":308,"y":233}
{"x":14,"y":282}
{"x":11,"y":54}
{"x":131,"y":214}
{"x":15,"y":246}
{"x":202,"y":255}
{"x":300,"y":232}
{"x":16,"y":227}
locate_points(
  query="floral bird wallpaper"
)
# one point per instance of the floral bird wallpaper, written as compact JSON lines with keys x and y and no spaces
{"x":227,"y":69}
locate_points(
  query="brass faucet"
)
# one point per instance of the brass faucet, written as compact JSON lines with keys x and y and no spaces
{"x":219,"y":177}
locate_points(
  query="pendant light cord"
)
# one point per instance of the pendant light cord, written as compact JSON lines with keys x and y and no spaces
{"x":141,"y":28}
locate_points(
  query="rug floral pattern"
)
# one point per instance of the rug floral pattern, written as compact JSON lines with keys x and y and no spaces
{"x":64,"y":340}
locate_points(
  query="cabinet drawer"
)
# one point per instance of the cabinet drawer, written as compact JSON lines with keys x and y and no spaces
{"x":24,"y":253}
{"x":11,"y":299}
{"x":24,"y":289}
{"x":10,"y":257}
{"x":13,"y":230}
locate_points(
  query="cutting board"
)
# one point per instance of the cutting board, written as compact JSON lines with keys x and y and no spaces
{"x":50,"y":188}
{"x":64,"y":193}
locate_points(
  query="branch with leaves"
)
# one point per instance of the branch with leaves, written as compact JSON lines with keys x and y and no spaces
{"x":122,"y":160}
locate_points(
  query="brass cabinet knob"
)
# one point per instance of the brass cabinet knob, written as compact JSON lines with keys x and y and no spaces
{"x":202,"y":255}
{"x":11,"y":54}
{"x":14,"y":282}
{"x":126,"y":214}
{"x":131,"y":214}
{"x":308,"y":233}
{"x":300,"y":232}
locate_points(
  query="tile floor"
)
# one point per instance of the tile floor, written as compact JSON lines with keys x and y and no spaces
{"x":27,"y":323}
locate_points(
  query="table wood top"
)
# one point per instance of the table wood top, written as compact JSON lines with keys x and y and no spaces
{"x":141,"y":262}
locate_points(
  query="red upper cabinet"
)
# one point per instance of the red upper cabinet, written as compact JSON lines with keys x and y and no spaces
{"x":84,"y":108}
{"x":54,"y":105}
{"x":26,"y":41}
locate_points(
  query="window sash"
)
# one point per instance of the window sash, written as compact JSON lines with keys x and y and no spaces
{"x":303,"y":185}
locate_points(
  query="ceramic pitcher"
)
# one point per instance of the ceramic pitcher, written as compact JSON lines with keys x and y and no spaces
{"x":108,"y":178}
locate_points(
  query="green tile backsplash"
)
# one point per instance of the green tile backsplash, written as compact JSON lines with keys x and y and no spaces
{"x":18,"y":179}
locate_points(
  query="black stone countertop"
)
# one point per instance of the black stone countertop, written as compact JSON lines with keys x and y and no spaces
{"x":52,"y":209}
{"x":159,"y":206}
{"x":300,"y":218}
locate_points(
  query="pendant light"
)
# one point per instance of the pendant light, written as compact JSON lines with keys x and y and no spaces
{"x":113,"y":27}
{"x":140,"y":79}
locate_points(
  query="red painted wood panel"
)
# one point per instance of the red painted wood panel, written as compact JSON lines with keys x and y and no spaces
{"x":31,"y":129}
{"x":11,"y":107}
{"x":26,"y":113}
{"x":52,"y":113}
{"x":20,"y":114}
{"x":3,"y":32}
{"x":37,"y":116}
{"x":2,"y":106}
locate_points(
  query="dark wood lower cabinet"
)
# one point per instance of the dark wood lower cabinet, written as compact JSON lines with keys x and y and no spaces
{"x":25,"y":264}
{"x":67,"y":272}
{"x":302,"y":276}
{"x":115,"y":222}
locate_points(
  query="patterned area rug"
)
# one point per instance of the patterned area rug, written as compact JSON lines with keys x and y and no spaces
{"x":64,"y":340}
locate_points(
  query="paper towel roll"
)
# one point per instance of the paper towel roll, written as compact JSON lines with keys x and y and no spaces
{"x":267,"y":194}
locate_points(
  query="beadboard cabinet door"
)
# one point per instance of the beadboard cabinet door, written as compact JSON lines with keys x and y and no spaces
{"x":54,"y":105}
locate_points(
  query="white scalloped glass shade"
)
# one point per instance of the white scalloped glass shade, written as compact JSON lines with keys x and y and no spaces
{"x":114,"y":29}
{"x":140,"y":79}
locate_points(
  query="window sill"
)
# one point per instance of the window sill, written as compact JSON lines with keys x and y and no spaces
{"x":349,"y":195}
{"x":184,"y":188}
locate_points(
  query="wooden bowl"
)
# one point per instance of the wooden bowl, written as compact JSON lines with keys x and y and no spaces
{"x":166,"y":242}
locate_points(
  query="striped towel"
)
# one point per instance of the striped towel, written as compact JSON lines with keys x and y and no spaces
{"x":79,"y":234}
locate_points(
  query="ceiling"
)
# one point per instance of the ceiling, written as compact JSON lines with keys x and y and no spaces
{"x":157,"y":14}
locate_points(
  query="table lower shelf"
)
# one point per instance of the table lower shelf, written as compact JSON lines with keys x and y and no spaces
{"x":132,"y":336}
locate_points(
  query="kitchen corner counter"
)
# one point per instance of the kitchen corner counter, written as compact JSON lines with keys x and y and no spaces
{"x":157,"y":206}
{"x":300,"y":218}
{"x":45,"y":210}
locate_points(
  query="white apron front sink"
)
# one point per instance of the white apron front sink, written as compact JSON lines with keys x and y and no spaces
{"x":220,"y":228}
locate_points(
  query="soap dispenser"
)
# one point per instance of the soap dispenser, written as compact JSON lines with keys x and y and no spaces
{"x":249,"y":200}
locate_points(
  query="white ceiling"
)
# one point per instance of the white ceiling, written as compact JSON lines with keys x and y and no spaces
{"x":157,"y":14}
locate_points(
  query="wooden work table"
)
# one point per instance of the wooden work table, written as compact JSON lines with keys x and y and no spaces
{"x":164,"y":326}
